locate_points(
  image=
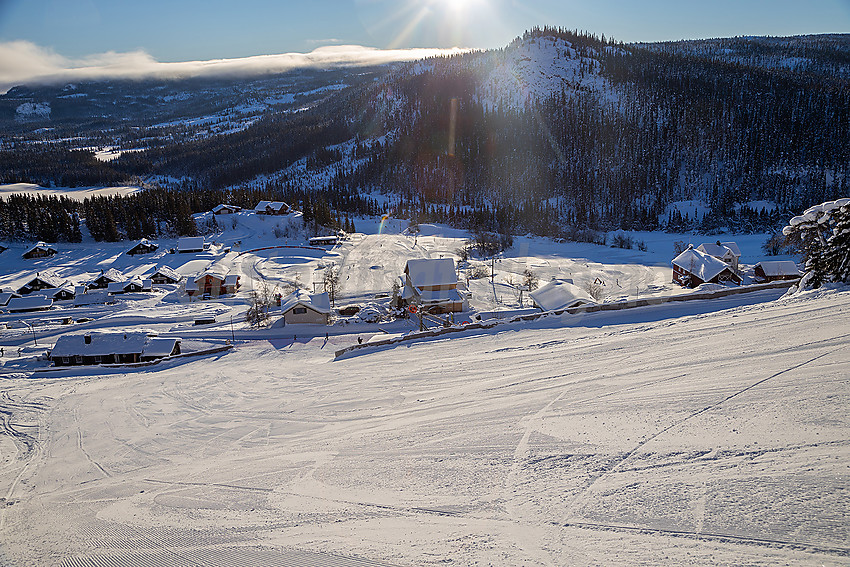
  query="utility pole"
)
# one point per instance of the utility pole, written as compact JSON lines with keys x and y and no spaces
{"x":34,"y":342}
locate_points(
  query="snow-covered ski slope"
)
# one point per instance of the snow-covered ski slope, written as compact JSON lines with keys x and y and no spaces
{"x":699,"y":436}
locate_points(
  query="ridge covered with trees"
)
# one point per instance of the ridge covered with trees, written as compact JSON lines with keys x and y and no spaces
{"x":632,"y":130}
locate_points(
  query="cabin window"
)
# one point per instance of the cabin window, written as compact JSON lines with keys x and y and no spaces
{"x":300,"y":310}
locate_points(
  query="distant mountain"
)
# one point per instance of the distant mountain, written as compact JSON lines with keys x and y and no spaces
{"x":556,"y":133}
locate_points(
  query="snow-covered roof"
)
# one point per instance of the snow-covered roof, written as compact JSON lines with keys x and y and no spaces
{"x":144,"y":243}
{"x":66,"y":288}
{"x":48,"y":278}
{"x":319,"y":302}
{"x":167,"y":272}
{"x":720,"y":249}
{"x":92,"y":297}
{"x":273,"y":205}
{"x":111,"y":275}
{"x":40,"y":246}
{"x":426,"y":272}
{"x":438,"y":297}
{"x":191,"y":285}
{"x":216,"y":271}
{"x":104,"y":344}
{"x":190,"y":243}
{"x":159,"y":346}
{"x":231,"y":279}
{"x":702,"y":265}
{"x":115,"y":287}
{"x":223,"y":207}
{"x":559,"y":294}
{"x":733,"y":246}
{"x":6,"y":296}
{"x":774,"y":268}
{"x":29,"y":303}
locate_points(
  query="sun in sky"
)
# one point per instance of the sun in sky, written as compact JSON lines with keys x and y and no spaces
{"x":442,"y":23}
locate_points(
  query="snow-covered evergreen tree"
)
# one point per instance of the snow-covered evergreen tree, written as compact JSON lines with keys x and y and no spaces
{"x":822,"y":233}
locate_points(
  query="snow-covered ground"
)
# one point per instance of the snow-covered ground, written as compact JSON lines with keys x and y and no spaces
{"x":701,"y":432}
{"x":77,"y":193}
{"x":678,"y":435}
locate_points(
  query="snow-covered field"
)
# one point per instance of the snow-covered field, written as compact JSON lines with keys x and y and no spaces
{"x":676,"y":437}
{"x":702,"y":432}
{"x":77,"y":193}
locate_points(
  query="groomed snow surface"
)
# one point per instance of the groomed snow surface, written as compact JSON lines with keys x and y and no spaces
{"x":678,"y":437}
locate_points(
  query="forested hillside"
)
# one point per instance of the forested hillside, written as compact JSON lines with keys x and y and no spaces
{"x":559,"y":132}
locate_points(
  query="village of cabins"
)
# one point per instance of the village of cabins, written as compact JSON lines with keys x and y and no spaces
{"x":428,"y":287}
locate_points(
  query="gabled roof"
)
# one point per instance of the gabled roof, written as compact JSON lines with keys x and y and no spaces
{"x":273,"y":205}
{"x":66,"y":288}
{"x":111,"y":275}
{"x":40,"y":245}
{"x":774,"y":268}
{"x":231,"y":279}
{"x":217,"y":271}
{"x":720,"y":249}
{"x":49,"y":278}
{"x":425,"y":272}
{"x":559,"y":294}
{"x":733,"y":246}
{"x":190,"y":243}
{"x":167,"y":272}
{"x":318,"y":302}
{"x":222,"y":207}
{"x":144,"y":243}
{"x":104,"y":344}
{"x":29,"y":303}
{"x":702,"y":265}
{"x":115,"y":287}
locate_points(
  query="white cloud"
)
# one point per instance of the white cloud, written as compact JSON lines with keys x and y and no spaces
{"x":23,"y":62}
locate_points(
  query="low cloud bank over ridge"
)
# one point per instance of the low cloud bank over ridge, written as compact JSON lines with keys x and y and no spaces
{"x":23,"y":62}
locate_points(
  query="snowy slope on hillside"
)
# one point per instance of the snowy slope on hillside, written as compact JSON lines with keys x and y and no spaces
{"x":711,"y":438}
{"x":536,"y":69}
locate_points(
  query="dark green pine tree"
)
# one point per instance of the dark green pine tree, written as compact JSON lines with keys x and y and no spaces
{"x":836,"y":254}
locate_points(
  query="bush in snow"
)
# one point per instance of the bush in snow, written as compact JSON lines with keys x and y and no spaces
{"x":822,"y":234}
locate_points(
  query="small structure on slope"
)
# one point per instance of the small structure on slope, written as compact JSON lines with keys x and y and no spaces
{"x":225,"y":209}
{"x":165,"y":275}
{"x":41,"y":280}
{"x":189,"y":244}
{"x":143,"y":246}
{"x":271,"y":208}
{"x":774,"y":270}
{"x":432,"y":285}
{"x":728,"y":252}
{"x":111,"y":348}
{"x":559,"y":294}
{"x":302,"y":307}
{"x":29,"y":303}
{"x":213,"y":283}
{"x":693,"y":267}
{"x":40,"y":250}
{"x":324,"y":241}
{"x":106,"y":278}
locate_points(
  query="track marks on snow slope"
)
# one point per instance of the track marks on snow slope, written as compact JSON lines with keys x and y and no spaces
{"x":83,"y":449}
{"x":617,"y":465}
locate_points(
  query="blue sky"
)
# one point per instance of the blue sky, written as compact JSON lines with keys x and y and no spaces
{"x":181,"y":30}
